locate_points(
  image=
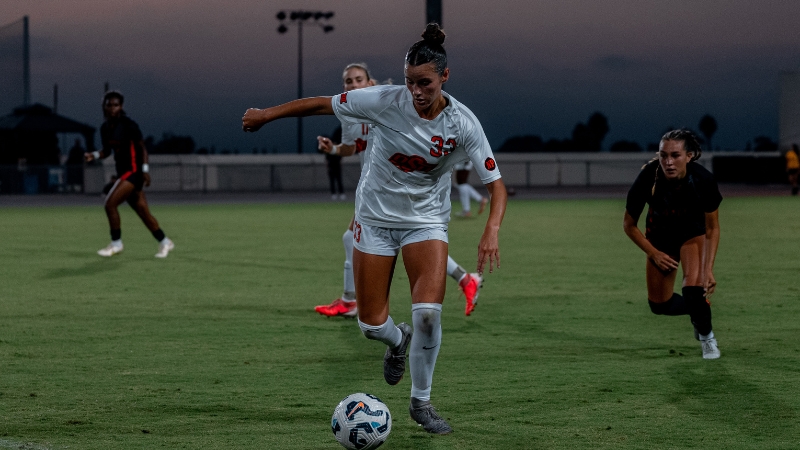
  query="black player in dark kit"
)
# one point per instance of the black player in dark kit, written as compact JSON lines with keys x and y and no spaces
{"x":121,"y":135}
{"x":682,"y":227}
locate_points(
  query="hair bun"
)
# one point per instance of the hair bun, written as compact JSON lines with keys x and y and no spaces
{"x":433,"y":34}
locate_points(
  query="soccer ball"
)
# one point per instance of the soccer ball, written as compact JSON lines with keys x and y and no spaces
{"x":361,"y":421}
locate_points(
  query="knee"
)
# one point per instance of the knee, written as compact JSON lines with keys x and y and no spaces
{"x":347,"y":238}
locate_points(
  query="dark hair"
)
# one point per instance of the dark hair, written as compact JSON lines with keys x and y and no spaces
{"x":690,"y":144}
{"x":114,"y":94}
{"x":429,"y":49}
{"x":689,"y":139}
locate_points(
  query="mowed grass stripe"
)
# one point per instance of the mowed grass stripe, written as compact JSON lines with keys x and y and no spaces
{"x":218,"y":345}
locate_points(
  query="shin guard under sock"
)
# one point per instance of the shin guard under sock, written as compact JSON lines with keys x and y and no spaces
{"x":424,"y":348}
{"x":699,"y":309}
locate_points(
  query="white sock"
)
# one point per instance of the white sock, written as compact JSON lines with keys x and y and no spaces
{"x":164,"y":241}
{"x":388,"y":333}
{"x":349,"y":282}
{"x":705,"y":337}
{"x":455,"y":271}
{"x":424,"y":348}
{"x":463,"y":195}
{"x":117,"y":243}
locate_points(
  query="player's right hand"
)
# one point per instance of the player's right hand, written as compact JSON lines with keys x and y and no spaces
{"x":252,"y":120}
{"x":664,"y":261}
{"x":88,"y":157}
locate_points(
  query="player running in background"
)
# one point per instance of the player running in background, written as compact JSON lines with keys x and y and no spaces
{"x":682,"y":226}
{"x":465,"y":190}
{"x":402,"y":204}
{"x":121,"y":135}
{"x":356,"y":139}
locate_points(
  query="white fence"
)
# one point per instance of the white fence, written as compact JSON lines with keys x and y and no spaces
{"x":294,"y":173}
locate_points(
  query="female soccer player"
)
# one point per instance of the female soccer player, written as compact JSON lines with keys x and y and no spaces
{"x":402,"y":204}
{"x":792,"y":157}
{"x":356,"y":139}
{"x":682,"y":226}
{"x":121,"y":135}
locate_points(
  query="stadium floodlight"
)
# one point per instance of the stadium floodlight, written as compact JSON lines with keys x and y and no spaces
{"x":298,"y":18}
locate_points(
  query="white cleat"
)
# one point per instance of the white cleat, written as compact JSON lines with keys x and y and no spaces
{"x":111,"y":250}
{"x":164,"y":248}
{"x":710,"y":349}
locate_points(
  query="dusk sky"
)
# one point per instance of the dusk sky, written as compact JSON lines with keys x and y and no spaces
{"x":192,"y":67}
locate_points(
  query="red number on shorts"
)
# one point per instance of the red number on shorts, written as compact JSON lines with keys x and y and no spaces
{"x":356,"y":231}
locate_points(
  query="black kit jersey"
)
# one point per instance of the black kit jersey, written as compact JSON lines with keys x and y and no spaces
{"x":677,"y":207}
{"x":123,"y":137}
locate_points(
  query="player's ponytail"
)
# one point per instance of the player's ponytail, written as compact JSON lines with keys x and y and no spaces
{"x":429,"y":49}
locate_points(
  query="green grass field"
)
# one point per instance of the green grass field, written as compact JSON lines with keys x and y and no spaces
{"x":218,"y":346}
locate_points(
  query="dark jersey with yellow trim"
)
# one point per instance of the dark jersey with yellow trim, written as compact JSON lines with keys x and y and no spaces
{"x":123,"y":137}
{"x":677,"y":207}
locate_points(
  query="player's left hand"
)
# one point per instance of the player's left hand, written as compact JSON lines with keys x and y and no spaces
{"x":146,"y":177}
{"x":710,"y":284}
{"x":488,"y":251}
{"x":324,"y":144}
{"x":252,"y":120}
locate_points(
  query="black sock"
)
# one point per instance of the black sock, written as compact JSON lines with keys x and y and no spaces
{"x":158,"y":234}
{"x":675,"y":306}
{"x":699,"y":309}
{"x":116,"y":235}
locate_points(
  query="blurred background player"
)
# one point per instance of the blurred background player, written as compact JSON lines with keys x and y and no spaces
{"x":334,"y":164}
{"x":356,"y":139}
{"x":121,"y":135}
{"x":465,"y":190}
{"x":682,"y":226}
{"x":402,"y":204}
{"x":793,"y":166}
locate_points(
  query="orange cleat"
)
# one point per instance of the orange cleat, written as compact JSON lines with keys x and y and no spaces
{"x":470,"y":286}
{"x":339,"y":307}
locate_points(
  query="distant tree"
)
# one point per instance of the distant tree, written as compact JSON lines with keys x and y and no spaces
{"x":764,"y":144}
{"x":589,"y":136}
{"x":626,"y":146}
{"x":708,"y":126}
{"x":522,"y":144}
{"x":559,"y":145}
{"x":171,"y":144}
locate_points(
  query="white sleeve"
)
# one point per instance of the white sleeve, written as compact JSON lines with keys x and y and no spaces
{"x":479,"y":151}
{"x":360,"y":105}
{"x":349,"y":131}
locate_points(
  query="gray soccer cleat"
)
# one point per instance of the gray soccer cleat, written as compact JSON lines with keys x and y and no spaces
{"x":425,"y":415}
{"x":710,"y":349}
{"x":394,"y":361}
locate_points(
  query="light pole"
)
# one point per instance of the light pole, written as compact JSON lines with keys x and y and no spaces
{"x":299,"y":18}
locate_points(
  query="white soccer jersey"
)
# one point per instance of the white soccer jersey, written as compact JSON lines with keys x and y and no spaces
{"x":357,"y":134}
{"x":405,"y":181}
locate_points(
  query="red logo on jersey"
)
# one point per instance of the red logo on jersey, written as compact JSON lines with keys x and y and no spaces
{"x":343,"y":98}
{"x":413,"y":163}
{"x":490,"y":164}
{"x":361,"y":145}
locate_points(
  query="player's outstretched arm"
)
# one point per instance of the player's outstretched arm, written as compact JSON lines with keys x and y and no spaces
{"x":254,"y":118}
{"x":710,"y":251}
{"x":489,"y":246}
{"x":660,"y":259}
